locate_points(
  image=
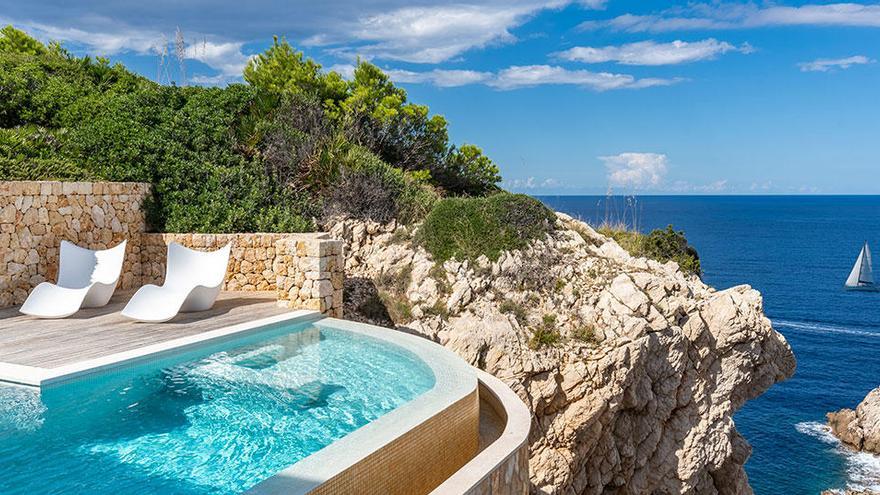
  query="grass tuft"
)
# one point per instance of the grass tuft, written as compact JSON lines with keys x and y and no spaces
{"x":546,"y":334}
{"x":585,"y":334}
{"x":518,"y":312}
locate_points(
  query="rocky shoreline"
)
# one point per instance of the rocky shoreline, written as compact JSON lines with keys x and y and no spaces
{"x":632,"y":369}
{"x":859,"y":428}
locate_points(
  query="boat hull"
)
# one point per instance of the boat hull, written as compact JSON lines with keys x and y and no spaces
{"x":863,"y":288}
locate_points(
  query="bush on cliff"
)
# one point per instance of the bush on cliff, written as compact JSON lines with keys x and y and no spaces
{"x":660,"y":244}
{"x":370,"y":189}
{"x":466,"y":228}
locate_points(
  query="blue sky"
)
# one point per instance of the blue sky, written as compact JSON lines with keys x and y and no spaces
{"x":568,"y":97}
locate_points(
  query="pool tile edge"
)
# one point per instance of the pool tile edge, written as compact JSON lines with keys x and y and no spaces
{"x":455,"y":381}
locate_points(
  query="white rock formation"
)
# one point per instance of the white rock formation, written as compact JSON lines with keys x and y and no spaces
{"x":634,"y":390}
{"x":859,"y":429}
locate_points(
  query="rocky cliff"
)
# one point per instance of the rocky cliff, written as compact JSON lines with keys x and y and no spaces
{"x":632,"y":369}
{"x":859,"y":428}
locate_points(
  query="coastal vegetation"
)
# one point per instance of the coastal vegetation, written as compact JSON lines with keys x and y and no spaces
{"x":467,"y":228}
{"x":545,"y":334}
{"x":660,"y":245}
{"x":278,"y":153}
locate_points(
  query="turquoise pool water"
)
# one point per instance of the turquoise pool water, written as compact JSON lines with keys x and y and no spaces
{"x":214,"y":421}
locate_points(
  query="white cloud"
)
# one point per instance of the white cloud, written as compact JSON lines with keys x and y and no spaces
{"x":520,"y":76}
{"x":438,"y":33}
{"x":344,"y":70}
{"x":113,"y":39}
{"x":97,"y":42}
{"x":653,"y":53}
{"x":828,"y":64}
{"x":761,"y":186}
{"x":440,"y":77}
{"x":435,"y":33}
{"x":523,"y":76}
{"x":593,"y":4}
{"x":636,"y":170}
{"x":716,"y":187}
{"x":738,"y":16}
{"x":204,"y":80}
{"x":227,"y":58}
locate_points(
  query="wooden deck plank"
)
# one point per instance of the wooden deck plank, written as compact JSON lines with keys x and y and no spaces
{"x":97,"y":332}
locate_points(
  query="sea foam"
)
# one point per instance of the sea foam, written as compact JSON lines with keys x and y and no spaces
{"x":824,"y":328}
{"x":862,"y":468}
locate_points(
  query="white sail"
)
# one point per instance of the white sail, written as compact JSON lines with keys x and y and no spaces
{"x":867,"y":274}
{"x":862,"y":273}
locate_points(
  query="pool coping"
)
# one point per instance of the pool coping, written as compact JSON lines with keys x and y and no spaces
{"x":454,"y":380}
{"x":476,"y":477}
{"x":34,"y":376}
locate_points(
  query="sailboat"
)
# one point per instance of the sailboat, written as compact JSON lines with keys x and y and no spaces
{"x":862,"y":275}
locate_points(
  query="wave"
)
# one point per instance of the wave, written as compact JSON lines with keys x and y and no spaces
{"x":862,"y":469}
{"x":824,"y":328}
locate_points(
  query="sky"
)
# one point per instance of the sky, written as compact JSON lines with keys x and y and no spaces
{"x":567,"y":97}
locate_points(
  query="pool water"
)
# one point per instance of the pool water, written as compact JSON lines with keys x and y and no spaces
{"x":214,"y":421}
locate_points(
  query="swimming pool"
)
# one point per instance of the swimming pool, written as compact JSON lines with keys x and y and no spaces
{"x":218,"y":419}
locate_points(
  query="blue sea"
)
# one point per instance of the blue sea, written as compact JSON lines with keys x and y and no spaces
{"x":798,"y":251}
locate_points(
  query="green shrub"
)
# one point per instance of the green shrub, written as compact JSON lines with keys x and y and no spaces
{"x":466,"y":228}
{"x":13,"y":40}
{"x":560,"y":285}
{"x":661,"y":245}
{"x":468,"y":171}
{"x":438,"y":273}
{"x":546,"y":334}
{"x":518,"y":312}
{"x":395,"y":281}
{"x":437,"y":309}
{"x":31,"y":153}
{"x":373,"y":307}
{"x":370,"y":189}
{"x":585,"y":334}
{"x":399,"y":308}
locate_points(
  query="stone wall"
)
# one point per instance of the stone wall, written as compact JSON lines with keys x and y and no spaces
{"x":36,"y":216}
{"x":303,"y":270}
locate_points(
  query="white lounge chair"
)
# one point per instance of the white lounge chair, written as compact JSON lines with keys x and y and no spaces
{"x":86,"y":279}
{"x":192,"y":283}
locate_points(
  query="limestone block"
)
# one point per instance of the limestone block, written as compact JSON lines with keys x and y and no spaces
{"x":7,"y":214}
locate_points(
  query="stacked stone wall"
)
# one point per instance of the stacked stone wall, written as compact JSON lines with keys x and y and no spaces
{"x":36,"y":216}
{"x":302,"y":270}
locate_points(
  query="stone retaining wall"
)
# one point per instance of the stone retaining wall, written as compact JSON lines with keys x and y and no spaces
{"x":36,"y":216}
{"x":303,"y":270}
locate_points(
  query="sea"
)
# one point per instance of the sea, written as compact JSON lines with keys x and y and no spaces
{"x":798,"y":251}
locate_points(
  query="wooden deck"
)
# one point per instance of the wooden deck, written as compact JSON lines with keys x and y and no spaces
{"x":98,"y":332}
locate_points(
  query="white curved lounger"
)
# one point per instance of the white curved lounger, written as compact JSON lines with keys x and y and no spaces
{"x":192,"y":283}
{"x":86,"y":279}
